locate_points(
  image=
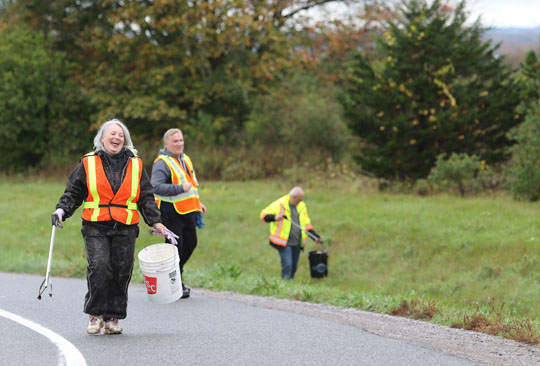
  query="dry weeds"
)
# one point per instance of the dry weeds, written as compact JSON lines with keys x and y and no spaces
{"x":523,"y":331}
{"x":415,"y":310}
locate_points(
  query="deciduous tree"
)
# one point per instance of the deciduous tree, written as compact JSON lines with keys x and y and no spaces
{"x":44,"y":116}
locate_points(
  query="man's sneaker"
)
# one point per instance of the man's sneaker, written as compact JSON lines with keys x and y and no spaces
{"x":185,"y":292}
{"x":95,"y":324}
{"x":112,"y":327}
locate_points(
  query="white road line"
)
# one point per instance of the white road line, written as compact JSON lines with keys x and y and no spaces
{"x":69,"y":354}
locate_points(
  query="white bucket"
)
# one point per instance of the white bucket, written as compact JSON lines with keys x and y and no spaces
{"x":161,"y":271}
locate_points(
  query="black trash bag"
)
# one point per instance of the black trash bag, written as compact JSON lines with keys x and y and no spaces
{"x":318,"y":263}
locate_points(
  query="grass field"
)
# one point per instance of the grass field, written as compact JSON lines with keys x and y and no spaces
{"x":454,"y":261}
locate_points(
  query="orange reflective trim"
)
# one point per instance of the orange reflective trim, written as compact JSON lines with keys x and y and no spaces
{"x":279,"y":226}
{"x":278,"y":241}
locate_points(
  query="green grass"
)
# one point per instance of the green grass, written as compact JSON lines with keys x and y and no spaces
{"x":465,"y":256}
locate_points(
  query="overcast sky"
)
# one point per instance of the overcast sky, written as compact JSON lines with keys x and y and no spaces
{"x":494,"y":13}
{"x":506,"y":13}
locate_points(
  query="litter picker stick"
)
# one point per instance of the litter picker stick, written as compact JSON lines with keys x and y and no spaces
{"x":318,"y":240}
{"x":47,"y":281}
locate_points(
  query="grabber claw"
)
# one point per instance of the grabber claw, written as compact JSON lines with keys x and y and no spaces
{"x":47,"y":281}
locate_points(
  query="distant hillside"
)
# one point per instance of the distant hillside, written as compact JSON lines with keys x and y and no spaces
{"x":515,"y":42}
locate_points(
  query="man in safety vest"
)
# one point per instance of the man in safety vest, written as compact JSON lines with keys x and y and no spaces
{"x":289,"y":227}
{"x":177,"y":195}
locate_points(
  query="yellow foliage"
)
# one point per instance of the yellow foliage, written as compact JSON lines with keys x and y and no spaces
{"x":446,"y":91}
{"x":403,"y":89}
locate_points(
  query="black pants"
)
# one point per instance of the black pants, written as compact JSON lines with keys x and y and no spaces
{"x":110,"y":253}
{"x":184,"y":227}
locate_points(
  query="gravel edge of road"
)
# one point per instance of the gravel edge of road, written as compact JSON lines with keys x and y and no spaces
{"x":477,"y":347}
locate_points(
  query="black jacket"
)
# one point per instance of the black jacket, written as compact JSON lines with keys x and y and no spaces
{"x":76,"y":190}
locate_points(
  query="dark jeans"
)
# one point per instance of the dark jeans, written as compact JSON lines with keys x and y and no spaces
{"x":110,"y":253}
{"x":184,"y":227}
{"x":289,"y":256}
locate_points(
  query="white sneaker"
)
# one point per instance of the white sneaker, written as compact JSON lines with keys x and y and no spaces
{"x":95,"y":324}
{"x":112,"y":327}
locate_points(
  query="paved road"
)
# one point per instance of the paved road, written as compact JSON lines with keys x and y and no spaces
{"x":201,"y":330}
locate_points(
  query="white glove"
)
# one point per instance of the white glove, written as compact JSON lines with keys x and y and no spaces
{"x":168,"y":234}
{"x":171,"y":236}
{"x":56,"y":218}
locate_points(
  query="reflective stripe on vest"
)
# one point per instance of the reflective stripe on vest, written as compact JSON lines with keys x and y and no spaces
{"x":184,"y":202}
{"x":275,"y":235}
{"x":102,"y":204}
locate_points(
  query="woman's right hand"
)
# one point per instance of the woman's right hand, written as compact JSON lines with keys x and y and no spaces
{"x":160,"y":229}
{"x":57,"y":217}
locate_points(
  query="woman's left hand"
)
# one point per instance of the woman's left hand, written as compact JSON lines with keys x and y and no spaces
{"x":203,"y":209}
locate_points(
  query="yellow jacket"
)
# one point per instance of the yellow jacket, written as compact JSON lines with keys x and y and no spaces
{"x":280,"y":230}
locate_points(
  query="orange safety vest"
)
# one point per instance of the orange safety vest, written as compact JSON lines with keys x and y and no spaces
{"x":184,"y":202}
{"x":102,"y":204}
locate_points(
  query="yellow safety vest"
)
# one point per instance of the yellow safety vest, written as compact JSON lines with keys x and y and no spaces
{"x":280,"y":230}
{"x":184,"y":202}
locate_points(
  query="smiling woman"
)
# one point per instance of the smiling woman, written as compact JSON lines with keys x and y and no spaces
{"x":113,"y":140}
{"x":112,"y":137}
{"x":112,"y":183}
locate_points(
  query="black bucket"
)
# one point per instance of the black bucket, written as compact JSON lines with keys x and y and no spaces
{"x":318,"y":263}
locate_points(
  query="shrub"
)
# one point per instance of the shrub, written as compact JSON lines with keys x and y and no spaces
{"x":301,"y":115}
{"x":457,"y":172}
{"x":422,"y":187}
{"x":524,"y":168}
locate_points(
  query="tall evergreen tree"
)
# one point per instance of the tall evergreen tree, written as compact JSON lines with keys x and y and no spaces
{"x":436,"y":87}
{"x":524,"y":169}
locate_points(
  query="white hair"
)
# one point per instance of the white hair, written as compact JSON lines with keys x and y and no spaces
{"x":128,"y":144}
{"x":167,"y":135}
{"x":296,"y":192}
